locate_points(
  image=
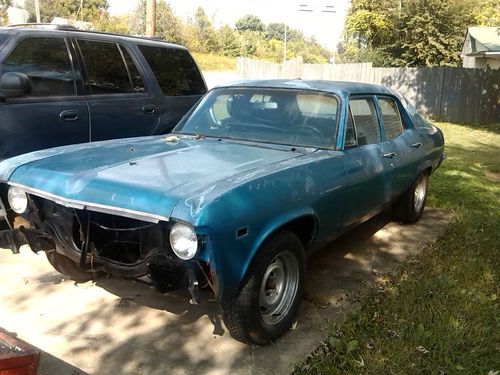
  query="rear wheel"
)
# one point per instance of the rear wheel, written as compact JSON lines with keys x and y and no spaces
{"x":269,"y":300}
{"x":68,"y":267}
{"x":409,"y":208}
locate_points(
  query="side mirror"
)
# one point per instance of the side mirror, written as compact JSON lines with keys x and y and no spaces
{"x":14,"y":85}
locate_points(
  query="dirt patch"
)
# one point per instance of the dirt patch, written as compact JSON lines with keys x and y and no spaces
{"x":492,"y":176}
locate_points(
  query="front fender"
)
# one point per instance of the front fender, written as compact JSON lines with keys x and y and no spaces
{"x":231,"y":267}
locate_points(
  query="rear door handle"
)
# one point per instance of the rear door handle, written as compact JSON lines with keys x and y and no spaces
{"x":69,"y":115}
{"x":149,"y":109}
{"x":416,"y":145}
{"x":389,"y":155}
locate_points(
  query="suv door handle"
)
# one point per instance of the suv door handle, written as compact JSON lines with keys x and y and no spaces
{"x":149,"y":109}
{"x":69,"y":115}
{"x":416,"y":145}
{"x":389,"y":155}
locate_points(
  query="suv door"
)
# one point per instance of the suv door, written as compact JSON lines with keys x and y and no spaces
{"x":51,"y":114}
{"x":119,"y":102}
{"x":180,"y":82}
{"x":369,"y":176}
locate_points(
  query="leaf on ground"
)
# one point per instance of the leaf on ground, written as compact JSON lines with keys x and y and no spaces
{"x":351,"y":345}
{"x":422,"y":350}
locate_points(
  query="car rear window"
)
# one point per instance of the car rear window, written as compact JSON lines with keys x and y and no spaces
{"x":175,"y":70}
{"x":390,"y":117}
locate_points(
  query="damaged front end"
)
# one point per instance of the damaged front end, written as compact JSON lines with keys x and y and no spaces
{"x":104,"y":242}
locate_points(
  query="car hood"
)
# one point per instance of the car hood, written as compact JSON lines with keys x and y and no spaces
{"x":146,"y":175}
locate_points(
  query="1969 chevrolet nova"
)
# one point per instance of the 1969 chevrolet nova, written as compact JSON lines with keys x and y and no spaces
{"x":250,"y":182}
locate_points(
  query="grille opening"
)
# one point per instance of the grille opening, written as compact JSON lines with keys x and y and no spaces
{"x":123,"y":240}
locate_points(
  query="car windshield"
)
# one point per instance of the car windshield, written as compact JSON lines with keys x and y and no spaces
{"x":283,"y":116}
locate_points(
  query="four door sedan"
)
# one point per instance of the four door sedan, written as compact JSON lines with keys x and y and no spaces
{"x":255,"y":178}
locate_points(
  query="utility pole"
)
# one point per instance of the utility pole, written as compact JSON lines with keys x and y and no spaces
{"x":150,"y":18}
{"x":37,"y":11}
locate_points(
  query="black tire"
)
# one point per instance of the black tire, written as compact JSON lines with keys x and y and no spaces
{"x":245,"y":316}
{"x":410,"y":206}
{"x":68,"y":267}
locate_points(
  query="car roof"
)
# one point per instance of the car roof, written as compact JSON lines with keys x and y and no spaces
{"x":48,"y":29}
{"x":335,"y":87}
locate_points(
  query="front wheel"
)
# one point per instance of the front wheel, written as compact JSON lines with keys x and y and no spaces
{"x":409,"y":208}
{"x":68,"y":267}
{"x":269,"y":300}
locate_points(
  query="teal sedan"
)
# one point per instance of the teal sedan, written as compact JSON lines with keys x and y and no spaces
{"x":253,"y":179}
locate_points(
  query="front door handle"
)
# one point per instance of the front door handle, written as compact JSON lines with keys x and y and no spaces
{"x":416,"y":145}
{"x":69,"y":116}
{"x":149,"y":109}
{"x":389,"y":155}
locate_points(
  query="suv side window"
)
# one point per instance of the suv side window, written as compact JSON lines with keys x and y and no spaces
{"x":46,"y":61}
{"x":175,"y":70}
{"x":391,"y":118}
{"x":365,"y":121}
{"x":107,"y":69}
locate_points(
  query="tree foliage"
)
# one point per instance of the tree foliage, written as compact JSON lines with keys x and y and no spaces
{"x":408,"y":32}
{"x":4,"y":6}
{"x":250,"y":23}
{"x":250,"y":37}
{"x":93,"y":11}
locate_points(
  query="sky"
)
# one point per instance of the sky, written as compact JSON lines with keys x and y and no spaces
{"x":317,"y":21}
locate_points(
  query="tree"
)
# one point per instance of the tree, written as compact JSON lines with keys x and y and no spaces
{"x":229,"y":41}
{"x":4,"y":6}
{"x":92,"y":11}
{"x":433,"y":32}
{"x":204,"y":32}
{"x":250,"y":23}
{"x":487,"y":12}
{"x":277,"y":31}
{"x":168,"y":25}
{"x":407,"y":32}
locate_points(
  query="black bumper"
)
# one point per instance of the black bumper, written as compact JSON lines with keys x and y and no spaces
{"x":12,"y":239}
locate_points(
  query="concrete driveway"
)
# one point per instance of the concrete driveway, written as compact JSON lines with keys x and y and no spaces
{"x":115,"y":326}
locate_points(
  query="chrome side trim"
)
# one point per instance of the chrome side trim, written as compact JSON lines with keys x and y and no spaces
{"x":82,"y":205}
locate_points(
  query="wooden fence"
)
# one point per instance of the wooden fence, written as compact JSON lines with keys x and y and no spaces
{"x":458,"y":95}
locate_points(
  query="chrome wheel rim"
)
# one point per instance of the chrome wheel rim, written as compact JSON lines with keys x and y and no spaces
{"x":279,"y":287}
{"x":420,"y":193}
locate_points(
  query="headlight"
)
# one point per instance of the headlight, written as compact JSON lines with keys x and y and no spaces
{"x":18,"y":200}
{"x":183,"y":241}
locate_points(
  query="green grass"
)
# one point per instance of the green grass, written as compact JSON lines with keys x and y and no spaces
{"x":439,"y":312}
{"x":214,"y":62}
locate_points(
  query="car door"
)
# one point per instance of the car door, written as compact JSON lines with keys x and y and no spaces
{"x":51,"y":114}
{"x":120,"y":104}
{"x":402,"y":141}
{"x":368,"y":174}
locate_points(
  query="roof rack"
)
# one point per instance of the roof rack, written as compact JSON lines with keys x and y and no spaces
{"x":52,"y":26}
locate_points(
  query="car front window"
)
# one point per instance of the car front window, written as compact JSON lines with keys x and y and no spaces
{"x":282,"y":116}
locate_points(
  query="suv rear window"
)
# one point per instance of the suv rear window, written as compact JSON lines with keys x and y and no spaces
{"x":175,"y":70}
